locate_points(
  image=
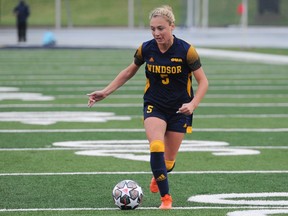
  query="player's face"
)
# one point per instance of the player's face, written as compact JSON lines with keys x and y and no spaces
{"x":161,"y":30}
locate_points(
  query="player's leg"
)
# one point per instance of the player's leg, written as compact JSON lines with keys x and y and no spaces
{"x":173,"y":141}
{"x":177,"y":127}
{"x":155,"y":130}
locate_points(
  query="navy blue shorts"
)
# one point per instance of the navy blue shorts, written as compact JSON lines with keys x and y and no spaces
{"x":176,"y":122}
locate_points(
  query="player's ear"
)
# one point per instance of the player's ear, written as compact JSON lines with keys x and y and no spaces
{"x":172,"y":26}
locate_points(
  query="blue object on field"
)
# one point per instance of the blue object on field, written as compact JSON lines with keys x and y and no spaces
{"x":49,"y":39}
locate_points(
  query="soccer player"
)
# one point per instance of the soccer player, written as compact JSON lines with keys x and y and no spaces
{"x":169,"y":101}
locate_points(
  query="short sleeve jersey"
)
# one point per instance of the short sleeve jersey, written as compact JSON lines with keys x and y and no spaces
{"x":169,"y":74}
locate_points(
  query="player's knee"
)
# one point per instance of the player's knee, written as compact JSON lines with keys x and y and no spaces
{"x":157,"y":146}
{"x":169,"y":165}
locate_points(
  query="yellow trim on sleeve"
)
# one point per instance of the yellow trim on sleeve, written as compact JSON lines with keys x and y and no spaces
{"x":192,"y":55}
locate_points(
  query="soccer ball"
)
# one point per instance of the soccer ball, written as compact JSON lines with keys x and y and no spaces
{"x":127,"y":195}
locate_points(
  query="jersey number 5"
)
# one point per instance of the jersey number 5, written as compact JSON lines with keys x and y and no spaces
{"x":165,"y":79}
{"x":149,"y":109}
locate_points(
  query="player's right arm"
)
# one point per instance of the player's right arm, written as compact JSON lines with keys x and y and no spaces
{"x":119,"y":80}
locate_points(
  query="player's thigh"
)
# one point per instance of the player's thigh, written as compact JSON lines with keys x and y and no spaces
{"x":155,"y":128}
{"x":173,"y":141}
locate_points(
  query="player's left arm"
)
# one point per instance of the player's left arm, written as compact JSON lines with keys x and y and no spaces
{"x":188,"y":108}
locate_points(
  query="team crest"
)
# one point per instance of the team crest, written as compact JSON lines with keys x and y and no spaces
{"x":176,"y":60}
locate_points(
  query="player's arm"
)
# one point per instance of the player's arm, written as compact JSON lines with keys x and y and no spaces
{"x":194,"y":63}
{"x":119,"y":80}
{"x":202,"y":87}
{"x":188,"y":108}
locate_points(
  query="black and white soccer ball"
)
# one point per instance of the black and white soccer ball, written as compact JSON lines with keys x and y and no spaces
{"x":127,"y":195}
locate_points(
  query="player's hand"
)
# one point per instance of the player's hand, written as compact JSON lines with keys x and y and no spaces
{"x":95,"y":97}
{"x":186,"y":109}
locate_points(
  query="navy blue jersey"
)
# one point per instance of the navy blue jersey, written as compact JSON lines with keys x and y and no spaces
{"x":169,"y":74}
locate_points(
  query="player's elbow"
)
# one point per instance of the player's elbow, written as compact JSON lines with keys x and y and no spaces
{"x":204,"y":83}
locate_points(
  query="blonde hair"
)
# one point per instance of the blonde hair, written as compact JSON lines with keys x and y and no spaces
{"x":164,"y":11}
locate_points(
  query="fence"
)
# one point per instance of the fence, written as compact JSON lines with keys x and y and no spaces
{"x":134,"y":13}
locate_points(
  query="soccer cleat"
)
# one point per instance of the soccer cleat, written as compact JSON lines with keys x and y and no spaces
{"x":166,"y":202}
{"x":153,"y":186}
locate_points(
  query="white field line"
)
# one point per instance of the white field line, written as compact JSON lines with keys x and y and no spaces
{"x":231,"y":116}
{"x":139,"y":116}
{"x":244,"y":116}
{"x":141,"y":130}
{"x":149,"y":173}
{"x":140,"y":96}
{"x":140,"y":208}
{"x":85,"y":148}
{"x":244,"y":104}
{"x":245,"y":77}
{"x":246,"y":96}
{"x":234,"y":81}
{"x":141,"y":88}
{"x":252,"y":87}
{"x":139,"y":83}
{"x":127,"y":105}
{"x":244,"y":56}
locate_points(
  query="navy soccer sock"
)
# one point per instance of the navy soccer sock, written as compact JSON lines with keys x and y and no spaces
{"x":158,"y":166}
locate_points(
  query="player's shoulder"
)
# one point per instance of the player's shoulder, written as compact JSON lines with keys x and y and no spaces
{"x":188,"y":49}
{"x":182,"y":43}
{"x":148,"y":44}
